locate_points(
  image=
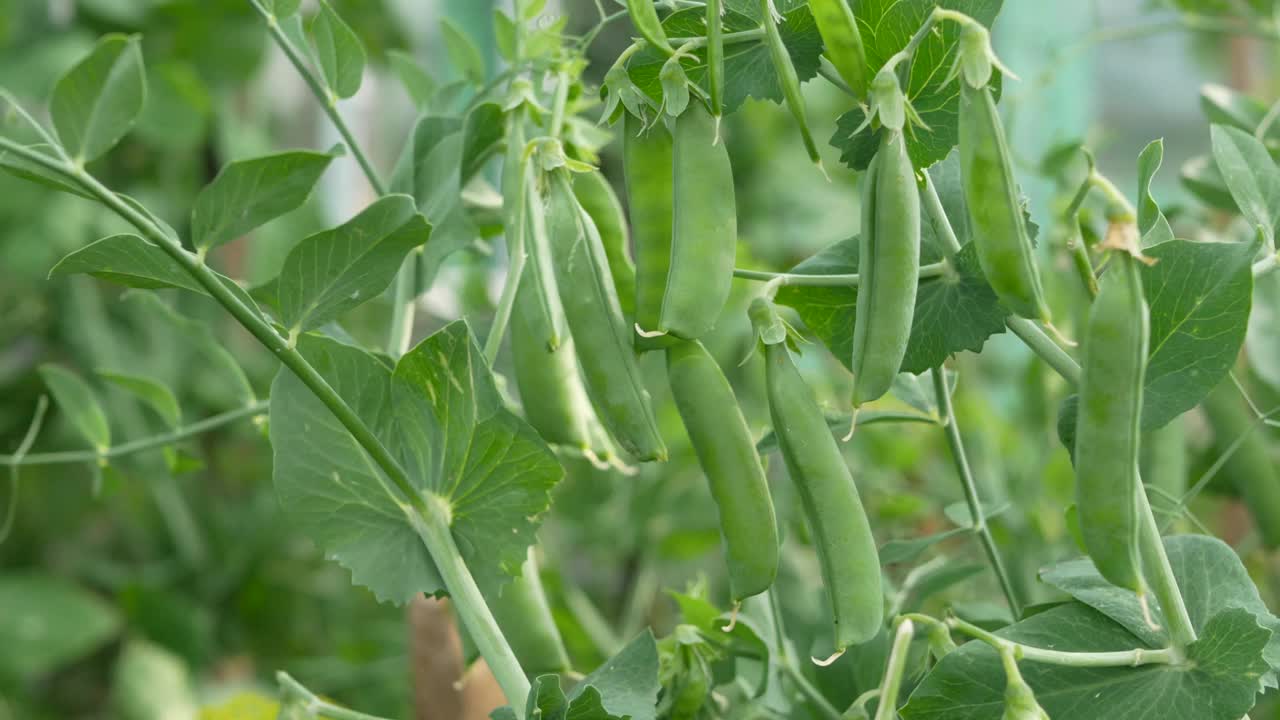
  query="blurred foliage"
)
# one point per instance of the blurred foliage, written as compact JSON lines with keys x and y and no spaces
{"x":195,"y":571}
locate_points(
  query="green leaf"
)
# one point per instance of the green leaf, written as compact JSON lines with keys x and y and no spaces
{"x":1226,"y":106}
{"x":904,"y":551}
{"x":335,"y":270}
{"x":152,"y":683}
{"x":155,"y":394}
{"x":1201,"y":178}
{"x":211,"y":349}
{"x":330,"y":487}
{"x":1200,"y":295}
{"x":96,"y":102}
{"x":1250,"y":174}
{"x":625,"y":687}
{"x":248,"y":193}
{"x":178,"y":107}
{"x":953,"y":313}
{"x":47,"y":622}
{"x":416,"y":80}
{"x":748,"y":70}
{"x":1218,"y":682}
{"x":339,"y":52}
{"x":77,"y":400}
{"x":1208,"y":571}
{"x":887,"y":27}
{"x":504,"y":35}
{"x":132,"y":261}
{"x":462,"y":445}
{"x":458,"y":444}
{"x":1151,"y":220}
{"x":463,"y":52}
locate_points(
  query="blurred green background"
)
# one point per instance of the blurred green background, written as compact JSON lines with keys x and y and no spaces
{"x":186,"y":574}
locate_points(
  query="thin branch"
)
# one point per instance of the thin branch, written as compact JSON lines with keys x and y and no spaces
{"x":961,"y":460}
{"x":292,"y":690}
{"x":1118,"y":658}
{"x":932,"y":270}
{"x":147,"y":443}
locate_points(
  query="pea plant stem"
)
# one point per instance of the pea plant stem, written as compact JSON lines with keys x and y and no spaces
{"x":292,"y":690}
{"x":892,"y":683}
{"x":169,"y":438}
{"x":970,"y":487}
{"x":516,"y":255}
{"x":787,"y":660}
{"x":402,"y":311}
{"x":431,"y":523}
{"x":932,"y":270}
{"x":1118,"y":658}
{"x":1155,"y":563}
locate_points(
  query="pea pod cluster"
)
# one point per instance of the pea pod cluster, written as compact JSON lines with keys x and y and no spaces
{"x":888,"y":268}
{"x":595,"y":318}
{"x":684,"y":219}
{"x":1108,"y":424}
{"x":727,"y":454}
{"x":841,"y":532}
{"x":995,"y":213}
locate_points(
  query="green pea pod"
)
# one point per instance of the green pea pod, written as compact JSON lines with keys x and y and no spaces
{"x":597,"y":197}
{"x":788,"y":78}
{"x":889,"y":266}
{"x":715,"y":55}
{"x":704,"y":228}
{"x":595,"y":321}
{"x":843,"y":42}
{"x":522,"y":232}
{"x":647,"y":166}
{"x":1108,"y":424}
{"x":728,"y":457}
{"x":847,"y":551}
{"x":1163,"y":459}
{"x":644,"y":15}
{"x":525,"y":618}
{"x":995,"y":214}
{"x":551,"y":391}
{"x":1250,"y":468}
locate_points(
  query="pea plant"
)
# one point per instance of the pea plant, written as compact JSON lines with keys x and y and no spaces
{"x":422,"y":468}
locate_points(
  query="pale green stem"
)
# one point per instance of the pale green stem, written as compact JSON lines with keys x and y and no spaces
{"x":1044,"y":346}
{"x":291,"y":689}
{"x":433,"y":529}
{"x":1118,"y":658}
{"x":516,"y":257}
{"x":806,"y":688}
{"x":831,"y":75}
{"x":888,"y":708}
{"x":942,"y":229}
{"x":1115,"y":197}
{"x":467,"y":601}
{"x":33,"y":430}
{"x":558,"y":104}
{"x":1159,"y":573}
{"x":169,"y":438}
{"x":931,"y":270}
{"x":961,"y":461}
